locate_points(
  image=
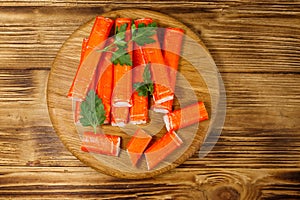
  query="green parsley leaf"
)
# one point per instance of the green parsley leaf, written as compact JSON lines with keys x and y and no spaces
{"x":141,"y":36}
{"x":120,"y":39}
{"x":153,"y":24}
{"x":133,"y":27}
{"x":121,"y":56}
{"x":147,"y":74}
{"x":122,"y":28}
{"x":146,"y":87}
{"x":144,"y":35}
{"x":92,"y":111}
{"x":141,"y":25}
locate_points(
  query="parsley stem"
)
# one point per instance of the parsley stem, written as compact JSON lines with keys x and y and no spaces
{"x":95,"y":129}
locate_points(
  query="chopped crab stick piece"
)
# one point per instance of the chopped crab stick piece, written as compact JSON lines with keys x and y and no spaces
{"x":119,"y":116}
{"x":171,"y":51}
{"x":162,"y":91}
{"x":101,"y":143}
{"x":137,"y":145}
{"x":158,"y":151}
{"x":186,"y":116}
{"x":77,"y":103}
{"x":86,"y":71}
{"x":164,"y":107}
{"x":121,"y":96}
{"x":105,"y":81}
{"x":139,"y":109}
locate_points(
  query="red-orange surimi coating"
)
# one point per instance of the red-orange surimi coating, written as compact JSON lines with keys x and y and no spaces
{"x":186,"y":116}
{"x":105,"y":81}
{"x":145,"y":21}
{"x":161,"y":149}
{"x":119,"y":116}
{"x":86,"y":71}
{"x":171,"y":51}
{"x":122,"y":73}
{"x":162,"y":91}
{"x":137,"y":145}
{"x":77,"y":103}
{"x":139,"y":109}
{"x":101,"y":143}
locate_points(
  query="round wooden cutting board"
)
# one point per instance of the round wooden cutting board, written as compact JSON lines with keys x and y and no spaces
{"x":190,"y":81}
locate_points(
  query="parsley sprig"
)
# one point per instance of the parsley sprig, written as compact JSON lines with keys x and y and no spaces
{"x":92,"y":111}
{"x":141,"y":36}
{"x":146,"y":87}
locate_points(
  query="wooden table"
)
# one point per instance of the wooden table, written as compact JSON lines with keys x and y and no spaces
{"x":256,"y":47}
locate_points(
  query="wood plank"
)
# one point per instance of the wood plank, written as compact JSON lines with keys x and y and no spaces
{"x":215,"y":184}
{"x":27,"y":137}
{"x":276,"y":5}
{"x":266,"y":41}
{"x":255,"y":45}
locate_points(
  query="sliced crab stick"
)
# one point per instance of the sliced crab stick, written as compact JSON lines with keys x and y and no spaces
{"x":122,"y":73}
{"x":186,"y":116}
{"x":158,"y":151}
{"x":101,"y":143}
{"x":137,"y":145}
{"x":162,"y":91}
{"x":119,"y":116}
{"x":164,"y":107}
{"x":86,"y":71}
{"x":139,"y":109}
{"x":105,"y":81}
{"x":171,"y":51}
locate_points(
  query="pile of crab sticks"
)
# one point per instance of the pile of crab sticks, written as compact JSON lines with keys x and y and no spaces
{"x":130,"y":66}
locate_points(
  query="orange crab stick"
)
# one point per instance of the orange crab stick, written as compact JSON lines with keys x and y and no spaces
{"x":186,"y":116}
{"x":105,"y":81}
{"x":162,"y":91}
{"x":122,"y":73}
{"x":77,"y":103}
{"x":137,"y":145}
{"x":119,"y":116}
{"x":139,"y":109}
{"x":161,"y":149}
{"x":86,"y":71}
{"x":101,"y":143}
{"x":171,"y":51}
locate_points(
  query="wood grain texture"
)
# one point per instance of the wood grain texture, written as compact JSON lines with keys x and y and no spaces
{"x":235,"y":38}
{"x":256,"y":47}
{"x":216,"y":184}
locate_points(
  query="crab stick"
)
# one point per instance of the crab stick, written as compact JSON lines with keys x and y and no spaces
{"x":186,"y":116}
{"x":101,"y":143}
{"x":119,"y":116}
{"x":139,"y":109}
{"x":163,"y":147}
{"x":77,"y":103}
{"x":172,"y":45}
{"x":162,"y":91}
{"x":105,"y":81}
{"x":122,"y":73}
{"x":137,"y":145}
{"x":86,"y":71}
